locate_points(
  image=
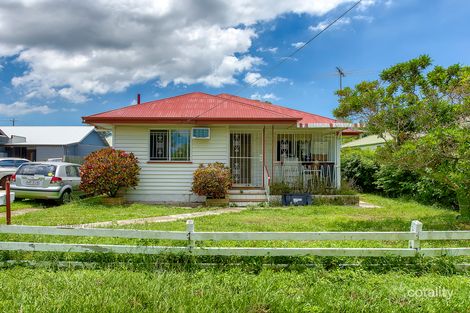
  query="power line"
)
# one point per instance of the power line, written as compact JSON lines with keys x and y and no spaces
{"x":284,"y":59}
{"x":289,"y":57}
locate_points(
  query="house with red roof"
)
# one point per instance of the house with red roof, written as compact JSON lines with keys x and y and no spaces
{"x":262,"y":143}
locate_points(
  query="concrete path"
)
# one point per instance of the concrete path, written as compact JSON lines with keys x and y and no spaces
{"x":20,"y":212}
{"x":367,"y":205}
{"x":162,"y":219}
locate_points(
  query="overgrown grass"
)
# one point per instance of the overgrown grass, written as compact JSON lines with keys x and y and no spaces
{"x":235,"y":290}
{"x":90,"y":210}
{"x":395,"y":215}
{"x":27,"y":204}
{"x":124,"y":283}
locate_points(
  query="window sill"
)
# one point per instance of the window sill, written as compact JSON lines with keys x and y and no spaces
{"x":169,"y":162}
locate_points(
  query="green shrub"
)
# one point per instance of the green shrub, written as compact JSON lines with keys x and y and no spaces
{"x":358,"y":168}
{"x":106,"y":171}
{"x":280,"y":188}
{"x":336,"y":200}
{"x":394,"y":182}
{"x":212,"y":181}
{"x":429,"y":191}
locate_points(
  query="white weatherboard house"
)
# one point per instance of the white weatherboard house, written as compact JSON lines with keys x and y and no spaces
{"x":262,"y":143}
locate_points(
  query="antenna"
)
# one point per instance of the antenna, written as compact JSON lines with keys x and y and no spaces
{"x":341,"y":75}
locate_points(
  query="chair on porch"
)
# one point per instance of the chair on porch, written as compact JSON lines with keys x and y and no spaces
{"x":312,"y":175}
{"x":291,"y":171}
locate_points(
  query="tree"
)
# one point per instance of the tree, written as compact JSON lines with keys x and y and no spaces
{"x":427,"y":114}
{"x":106,"y":171}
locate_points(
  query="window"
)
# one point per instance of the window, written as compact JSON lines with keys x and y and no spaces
{"x":170,"y":145}
{"x":72,"y":171}
{"x":37,"y":169}
{"x":7,"y":163}
{"x":19,"y":162}
{"x":304,"y":147}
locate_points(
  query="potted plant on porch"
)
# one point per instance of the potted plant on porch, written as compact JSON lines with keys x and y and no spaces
{"x":213,"y":181}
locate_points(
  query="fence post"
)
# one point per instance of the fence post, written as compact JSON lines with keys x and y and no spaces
{"x":416,"y":227}
{"x":190,"y":230}
{"x":8,"y":202}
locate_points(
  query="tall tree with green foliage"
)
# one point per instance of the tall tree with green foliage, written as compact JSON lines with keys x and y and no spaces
{"x":426,"y":111}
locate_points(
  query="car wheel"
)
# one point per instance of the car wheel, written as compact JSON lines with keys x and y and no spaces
{"x":66,"y":197}
{"x":3,"y":183}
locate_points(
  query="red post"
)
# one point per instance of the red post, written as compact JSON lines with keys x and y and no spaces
{"x":8,"y":208}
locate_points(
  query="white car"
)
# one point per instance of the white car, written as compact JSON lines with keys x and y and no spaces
{"x":8,"y":167}
{"x":46,"y":180}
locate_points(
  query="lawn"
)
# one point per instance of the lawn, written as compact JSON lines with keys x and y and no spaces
{"x":243,"y":288}
{"x":394,"y":215}
{"x":119,"y":290}
{"x":88,"y":211}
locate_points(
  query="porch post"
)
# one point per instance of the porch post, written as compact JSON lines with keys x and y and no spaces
{"x":264,"y":154}
{"x":272,"y":153}
{"x":338,"y":160}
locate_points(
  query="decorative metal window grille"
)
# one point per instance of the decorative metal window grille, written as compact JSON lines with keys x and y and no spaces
{"x":170,"y":145}
{"x":305,"y":147}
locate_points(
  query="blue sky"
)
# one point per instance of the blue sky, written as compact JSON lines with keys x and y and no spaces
{"x":81,"y":62}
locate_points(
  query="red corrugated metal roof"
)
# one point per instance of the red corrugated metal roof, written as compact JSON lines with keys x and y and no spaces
{"x":305,"y":118}
{"x":201,"y":107}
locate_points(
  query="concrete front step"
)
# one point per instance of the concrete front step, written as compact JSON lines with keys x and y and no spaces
{"x":245,"y":196}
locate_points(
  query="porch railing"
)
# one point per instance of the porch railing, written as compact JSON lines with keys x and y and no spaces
{"x":305,"y":175}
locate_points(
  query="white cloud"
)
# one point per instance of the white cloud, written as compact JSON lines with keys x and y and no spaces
{"x":257,"y":80}
{"x":323,"y":24}
{"x":70,"y":109}
{"x":74,"y":49}
{"x":271,"y":50}
{"x":365,"y":18}
{"x":264,"y":97}
{"x":298,"y":44}
{"x":23,"y":108}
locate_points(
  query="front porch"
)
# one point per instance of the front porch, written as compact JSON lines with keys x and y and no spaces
{"x":305,"y":159}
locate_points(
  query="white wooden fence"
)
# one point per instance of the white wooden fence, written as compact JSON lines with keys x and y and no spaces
{"x":414,"y":236}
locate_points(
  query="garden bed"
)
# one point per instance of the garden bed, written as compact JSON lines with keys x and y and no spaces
{"x":323,"y":199}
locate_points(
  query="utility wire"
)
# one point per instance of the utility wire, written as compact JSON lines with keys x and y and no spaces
{"x":289,"y":57}
{"x":286,"y":58}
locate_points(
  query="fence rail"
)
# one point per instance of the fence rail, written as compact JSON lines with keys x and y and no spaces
{"x":414,"y":236}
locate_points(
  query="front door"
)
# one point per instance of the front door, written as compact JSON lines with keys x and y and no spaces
{"x":240,"y":158}
{"x":246,"y":158}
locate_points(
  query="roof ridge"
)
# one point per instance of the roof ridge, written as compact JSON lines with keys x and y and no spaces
{"x":237,"y":101}
{"x":266,"y":109}
{"x":283,"y":107}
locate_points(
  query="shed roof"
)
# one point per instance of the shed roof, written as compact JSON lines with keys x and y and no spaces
{"x":366,"y":141}
{"x":201,"y":107}
{"x":48,"y":135}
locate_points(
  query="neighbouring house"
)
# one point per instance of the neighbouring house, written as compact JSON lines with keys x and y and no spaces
{"x":368,"y":142}
{"x":40,"y":143}
{"x":262,"y":144}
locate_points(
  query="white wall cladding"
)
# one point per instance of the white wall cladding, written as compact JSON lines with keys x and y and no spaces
{"x":169,"y":181}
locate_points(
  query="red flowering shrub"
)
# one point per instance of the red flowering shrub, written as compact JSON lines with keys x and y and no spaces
{"x":212,"y":181}
{"x":107,"y":170}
